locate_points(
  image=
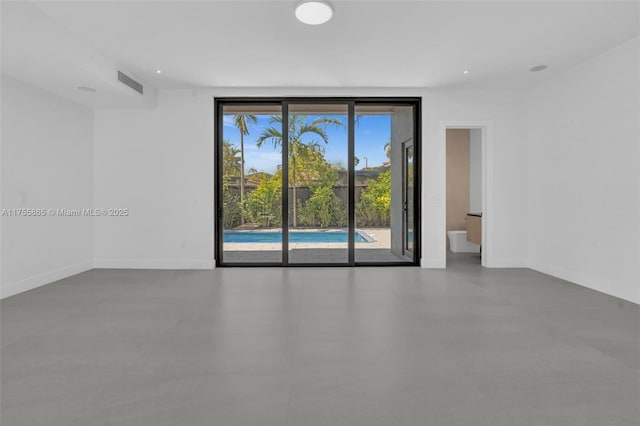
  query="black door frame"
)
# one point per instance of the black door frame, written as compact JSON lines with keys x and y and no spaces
{"x":405,"y":202}
{"x":284,"y":102}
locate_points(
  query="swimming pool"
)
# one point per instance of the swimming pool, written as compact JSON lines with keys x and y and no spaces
{"x":294,"y":237}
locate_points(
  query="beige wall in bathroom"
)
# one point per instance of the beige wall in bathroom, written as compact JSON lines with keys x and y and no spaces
{"x":458,"y":144}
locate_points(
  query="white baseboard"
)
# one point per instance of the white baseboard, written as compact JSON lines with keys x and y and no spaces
{"x":154,"y":263}
{"x":495,"y":263}
{"x":39,"y":280}
{"x":507,"y":263}
{"x":433,"y":263}
{"x":584,"y":280}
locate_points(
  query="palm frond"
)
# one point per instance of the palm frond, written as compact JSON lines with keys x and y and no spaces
{"x":275,"y":119}
{"x":327,"y":121}
{"x":271,"y":134}
{"x":313,"y":129}
{"x":242,"y":122}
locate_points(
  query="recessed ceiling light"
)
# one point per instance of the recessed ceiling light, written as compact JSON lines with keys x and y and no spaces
{"x":158,"y":71}
{"x":465,"y":72}
{"x":538,"y":68}
{"x":314,"y":12}
{"x":86,"y":89}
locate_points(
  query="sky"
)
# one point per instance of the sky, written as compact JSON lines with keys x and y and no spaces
{"x":372,"y":132}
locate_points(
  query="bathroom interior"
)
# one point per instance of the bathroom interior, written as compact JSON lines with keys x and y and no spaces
{"x":464,"y":195}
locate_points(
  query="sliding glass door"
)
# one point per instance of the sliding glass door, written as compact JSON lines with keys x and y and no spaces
{"x":250,"y":183}
{"x":384,"y":182}
{"x":317,"y":181}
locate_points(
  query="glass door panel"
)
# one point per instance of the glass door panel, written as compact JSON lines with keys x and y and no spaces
{"x":251,"y":198}
{"x":382,"y":182}
{"x":318,"y":183}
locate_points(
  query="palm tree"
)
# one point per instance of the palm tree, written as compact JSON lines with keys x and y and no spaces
{"x":242,"y":122}
{"x":300,"y":144}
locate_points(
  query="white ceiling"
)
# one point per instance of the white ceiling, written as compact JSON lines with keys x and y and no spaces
{"x":61,"y":45}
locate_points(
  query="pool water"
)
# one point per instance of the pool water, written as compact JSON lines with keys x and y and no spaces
{"x":294,"y":237}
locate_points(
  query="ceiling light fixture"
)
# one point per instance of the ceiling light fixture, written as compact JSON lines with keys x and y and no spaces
{"x":465,"y":72}
{"x":86,"y":89}
{"x":538,"y":68}
{"x":158,"y":71}
{"x":314,"y":12}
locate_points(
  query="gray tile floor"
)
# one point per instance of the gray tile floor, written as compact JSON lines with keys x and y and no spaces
{"x":311,"y":346}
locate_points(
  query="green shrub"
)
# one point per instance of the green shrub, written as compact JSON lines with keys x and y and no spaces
{"x":263,"y":205}
{"x":322,"y":209}
{"x":374,"y":207}
{"x":231,"y":210}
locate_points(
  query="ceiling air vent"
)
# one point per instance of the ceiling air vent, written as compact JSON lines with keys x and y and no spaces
{"x":129,"y":82}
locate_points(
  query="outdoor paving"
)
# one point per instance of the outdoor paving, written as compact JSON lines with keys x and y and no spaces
{"x":312,"y":256}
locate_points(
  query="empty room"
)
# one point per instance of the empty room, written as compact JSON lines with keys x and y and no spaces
{"x":337,"y":213}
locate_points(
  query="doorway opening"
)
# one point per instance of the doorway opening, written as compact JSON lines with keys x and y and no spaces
{"x":466,"y":190}
{"x":317,"y":181}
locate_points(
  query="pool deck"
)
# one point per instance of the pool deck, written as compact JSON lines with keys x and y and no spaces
{"x":378,"y":251}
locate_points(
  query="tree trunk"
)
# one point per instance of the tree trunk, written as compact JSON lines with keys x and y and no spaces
{"x":295,"y":210}
{"x":241,"y":179}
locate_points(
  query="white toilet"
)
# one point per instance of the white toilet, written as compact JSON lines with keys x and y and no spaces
{"x":458,"y":243}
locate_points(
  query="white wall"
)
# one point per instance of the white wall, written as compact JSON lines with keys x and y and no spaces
{"x":584,"y":187}
{"x":475,"y":171}
{"x":158,"y":164}
{"x":47,"y":162}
